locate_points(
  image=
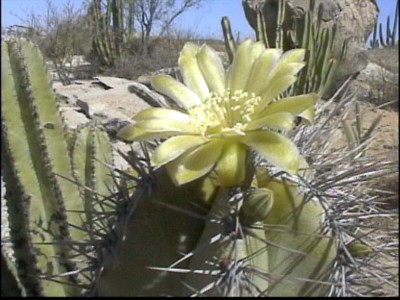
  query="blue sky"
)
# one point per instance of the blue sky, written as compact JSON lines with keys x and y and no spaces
{"x":205,"y":21}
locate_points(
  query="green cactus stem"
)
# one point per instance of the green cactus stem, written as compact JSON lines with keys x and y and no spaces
{"x":165,"y":223}
{"x":230,"y":45}
{"x":91,"y":158}
{"x":34,"y":154}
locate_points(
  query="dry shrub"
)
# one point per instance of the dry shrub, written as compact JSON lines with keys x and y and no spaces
{"x":163,"y":53}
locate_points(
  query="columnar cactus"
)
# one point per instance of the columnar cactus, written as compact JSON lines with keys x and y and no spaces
{"x":107,"y":40}
{"x":47,"y":214}
{"x":392,"y":38}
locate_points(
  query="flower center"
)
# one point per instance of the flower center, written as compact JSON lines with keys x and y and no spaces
{"x":225,"y":115}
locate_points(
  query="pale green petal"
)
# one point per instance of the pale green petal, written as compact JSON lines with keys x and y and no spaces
{"x":280,"y":120}
{"x":290,"y":63}
{"x":192,"y":76}
{"x":239,"y":71}
{"x":177,"y":91}
{"x":155,"y":129}
{"x":302,"y":105}
{"x":212,"y":68}
{"x":308,"y":115}
{"x":162,"y":113}
{"x":190,"y":49}
{"x":194,"y":164}
{"x":260,"y":70}
{"x":276,"y":87}
{"x":174,"y":147}
{"x":132,"y":132}
{"x":287,"y":69}
{"x":163,"y":125}
{"x":294,"y":55}
{"x":275,"y":148}
{"x":231,"y":165}
{"x":129,"y":132}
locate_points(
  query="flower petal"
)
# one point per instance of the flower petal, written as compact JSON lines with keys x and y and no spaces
{"x":260,"y":70}
{"x":212,"y":68}
{"x":290,"y":63}
{"x":231,"y":165}
{"x":162,"y":113}
{"x":163,"y":125}
{"x":129,"y":132}
{"x":280,"y":120}
{"x":274,"y":147}
{"x":302,"y":105}
{"x":190,"y":49}
{"x":194,"y":164}
{"x":174,"y":147}
{"x":155,"y":129}
{"x":239,"y":71}
{"x":287,"y":69}
{"x":274,"y":89}
{"x":191,"y":74}
{"x":177,"y":91}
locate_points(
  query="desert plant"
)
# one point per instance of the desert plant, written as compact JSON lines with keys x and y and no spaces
{"x":48,"y":214}
{"x":107,"y":29}
{"x":271,"y":210}
{"x":391,"y":33}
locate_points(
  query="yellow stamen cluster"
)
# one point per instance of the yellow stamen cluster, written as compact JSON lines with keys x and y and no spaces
{"x":225,"y":115}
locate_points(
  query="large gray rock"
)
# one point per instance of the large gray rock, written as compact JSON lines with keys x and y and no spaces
{"x":355,"y":21}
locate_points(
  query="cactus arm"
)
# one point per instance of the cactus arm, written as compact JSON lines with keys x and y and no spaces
{"x":22,"y":143}
{"x":279,"y":24}
{"x":303,"y":255}
{"x":230,"y":46}
{"x":396,"y":19}
{"x":10,"y":285}
{"x":56,"y":145}
{"x":245,"y":252}
{"x":261,"y":30}
{"x":91,"y":153}
{"x":165,"y":235}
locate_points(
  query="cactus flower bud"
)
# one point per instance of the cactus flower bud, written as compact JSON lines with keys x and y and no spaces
{"x":256,"y":206}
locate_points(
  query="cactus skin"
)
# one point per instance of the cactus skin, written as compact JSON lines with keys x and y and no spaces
{"x":91,"y":150}
{"x":155,"y":237}
{"x":47,"y":214}
{"x":303,"y":223}
{"x":33,"y":155}
{"x":10,"y":285}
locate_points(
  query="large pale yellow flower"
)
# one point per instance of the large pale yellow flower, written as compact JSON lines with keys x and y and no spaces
{"x":225,"y":113}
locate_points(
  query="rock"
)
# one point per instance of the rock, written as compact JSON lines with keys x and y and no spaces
{"x":355,"y":21}
{"x":106,"y":98}
{"x":378,"y":85}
